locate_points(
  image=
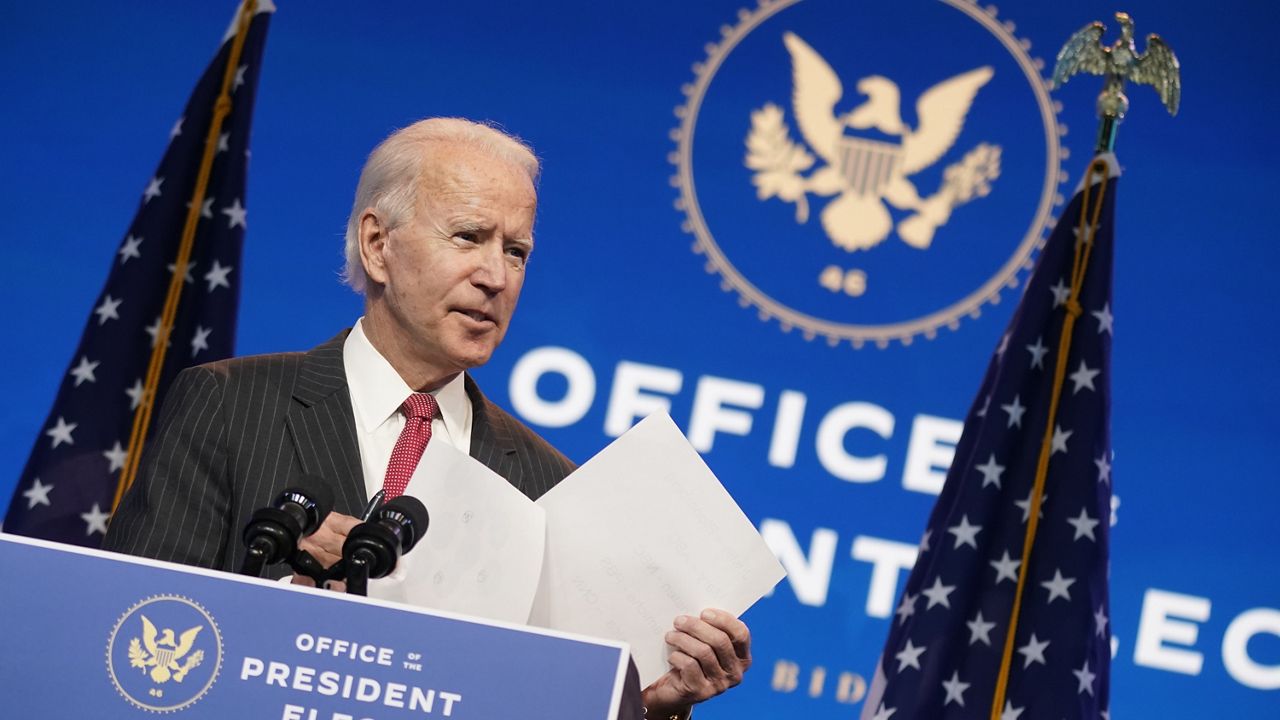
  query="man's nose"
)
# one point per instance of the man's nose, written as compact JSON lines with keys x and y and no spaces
{"x":490,"y":273}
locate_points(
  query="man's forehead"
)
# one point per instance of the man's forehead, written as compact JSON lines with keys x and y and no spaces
{"x":462,"y":185}
{"x":460,"y":161}
{"x":470,"y":170}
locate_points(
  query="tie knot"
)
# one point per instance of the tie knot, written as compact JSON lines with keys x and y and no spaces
{"x":420,"y":405}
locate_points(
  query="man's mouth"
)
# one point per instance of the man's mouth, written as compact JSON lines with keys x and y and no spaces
{"x":476,"y":315}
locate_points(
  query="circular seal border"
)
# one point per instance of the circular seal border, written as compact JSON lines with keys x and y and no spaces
{"x":111,"y":642}
{"x":859,"y":335}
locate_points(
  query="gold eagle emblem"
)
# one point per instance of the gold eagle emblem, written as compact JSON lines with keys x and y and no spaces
{"x":863,"y":171}
{"x":167,"y":656}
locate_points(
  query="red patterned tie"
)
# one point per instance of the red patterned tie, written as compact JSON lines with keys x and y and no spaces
{"x":418,"y":410}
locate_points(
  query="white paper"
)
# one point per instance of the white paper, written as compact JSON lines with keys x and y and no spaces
{"x":641,"y":533}
{"x":482,"y":552}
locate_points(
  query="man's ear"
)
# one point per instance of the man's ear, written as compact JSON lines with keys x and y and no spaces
{"x":373,"y":245}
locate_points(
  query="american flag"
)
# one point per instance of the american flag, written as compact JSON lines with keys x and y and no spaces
{"x":66,"y":489}
{"x":947,"y":638}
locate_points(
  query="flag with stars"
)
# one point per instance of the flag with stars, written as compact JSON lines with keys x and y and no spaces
{"x":66,"y":489}
{"x":947,"y":639}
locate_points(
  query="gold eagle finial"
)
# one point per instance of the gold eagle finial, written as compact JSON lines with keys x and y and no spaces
{"x":1121,"y":62}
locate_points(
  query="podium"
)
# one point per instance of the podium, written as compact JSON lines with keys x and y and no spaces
{"x":86,"y":633}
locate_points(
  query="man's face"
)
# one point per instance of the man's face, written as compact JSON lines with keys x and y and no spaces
{"x":451,"y":276}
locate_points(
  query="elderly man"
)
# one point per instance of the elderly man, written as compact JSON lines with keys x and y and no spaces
{"x":438,"y":240}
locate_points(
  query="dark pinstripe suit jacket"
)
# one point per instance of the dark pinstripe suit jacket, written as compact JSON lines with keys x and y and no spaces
{"x":233,"y":433}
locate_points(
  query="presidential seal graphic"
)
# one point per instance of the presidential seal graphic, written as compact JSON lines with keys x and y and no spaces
{"x":869,"y":172}
{"x":164,"y":653}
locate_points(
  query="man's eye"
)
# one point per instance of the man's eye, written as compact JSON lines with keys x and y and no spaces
{"x":519,"y":253}
{"x":467,"y":236}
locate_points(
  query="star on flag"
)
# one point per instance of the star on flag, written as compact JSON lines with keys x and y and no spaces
{"x":200,"y":341}
{"x":1015,"y":410}
{"x":153,"y":190}
{"x":909,"y":656}
{"x":108,"y":310}
{"x":130,"y":249}
{"x":1006,"y":568}
{"x":61,"y":432}
{"x":84,"y":371}
{"x":217,"y":276}
{"x":236,"y":214}
{"x":95,"y":521}
{"x":965,"y":533}
{"x":116,"y":456}
{"x":37,"y":494}
{"x":991,"y":471}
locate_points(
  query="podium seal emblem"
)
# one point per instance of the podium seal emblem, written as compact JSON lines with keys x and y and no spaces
{"x":164,"y":653}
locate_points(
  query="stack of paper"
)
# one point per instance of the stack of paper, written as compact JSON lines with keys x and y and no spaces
{"x":641,"y":533}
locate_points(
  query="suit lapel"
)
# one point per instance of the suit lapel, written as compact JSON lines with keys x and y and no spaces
{"x":322,"y":425}
{"x":491,"y":440}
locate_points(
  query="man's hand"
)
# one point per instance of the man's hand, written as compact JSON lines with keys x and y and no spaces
{"x":709,"y":655}
{"x":325,"y":545}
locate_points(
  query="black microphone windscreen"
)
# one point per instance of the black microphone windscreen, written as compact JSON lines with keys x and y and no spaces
{"x":315,"y":491}
{"x":418,"y":519}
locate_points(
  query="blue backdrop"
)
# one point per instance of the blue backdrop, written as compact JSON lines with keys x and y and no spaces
{"x":659,"y":268}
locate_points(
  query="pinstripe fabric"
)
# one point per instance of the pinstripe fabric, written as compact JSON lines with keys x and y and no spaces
{"x":234,"y":433}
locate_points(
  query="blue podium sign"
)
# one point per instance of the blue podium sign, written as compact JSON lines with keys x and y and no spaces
{"x":93,"y":634}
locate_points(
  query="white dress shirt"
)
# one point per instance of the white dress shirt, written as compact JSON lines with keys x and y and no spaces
{"x":378,"y":391}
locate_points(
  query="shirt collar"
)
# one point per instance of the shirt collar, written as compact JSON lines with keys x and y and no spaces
{"x":378,"y":391}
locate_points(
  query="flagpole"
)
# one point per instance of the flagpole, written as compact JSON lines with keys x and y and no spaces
{"x":221,"y":109}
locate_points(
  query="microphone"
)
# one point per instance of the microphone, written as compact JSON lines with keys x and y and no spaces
{"x":373,"y":547}
{"x":273,"y":532}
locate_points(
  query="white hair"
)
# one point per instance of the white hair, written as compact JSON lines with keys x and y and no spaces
{"x":392,"y":175}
